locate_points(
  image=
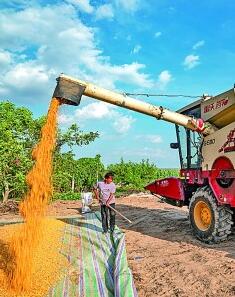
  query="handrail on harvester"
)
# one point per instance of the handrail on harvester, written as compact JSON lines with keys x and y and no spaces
{"x":71,"y":90}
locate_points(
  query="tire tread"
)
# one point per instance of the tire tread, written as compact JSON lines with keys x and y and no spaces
{"x":222,"y":216}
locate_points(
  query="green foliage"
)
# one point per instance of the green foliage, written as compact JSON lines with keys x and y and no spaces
{"x":16,"y":140}
{"x":76,"y":175}
{"x":67,"y":196}
{"x":63,"y":171}
{"x":134,"y":176}
{"x":74,"y":136}
{"x":89,"y":170}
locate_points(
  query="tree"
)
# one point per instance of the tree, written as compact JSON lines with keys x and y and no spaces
{"x":88,"y":171}
{"x":79,"y":175}
{"x":134,"y":176}
{"x":16,"y":140}
{"x":19,"y":133}
{"x":64,"y":168}
{"x":74,"y":136}
{"x":65,"y":165}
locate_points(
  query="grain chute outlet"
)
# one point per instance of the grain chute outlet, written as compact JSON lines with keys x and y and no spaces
{"x":205,"y":133}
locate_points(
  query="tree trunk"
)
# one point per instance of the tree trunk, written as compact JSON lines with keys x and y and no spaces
{"x":6,"y":193}
{"x":73,"y":184}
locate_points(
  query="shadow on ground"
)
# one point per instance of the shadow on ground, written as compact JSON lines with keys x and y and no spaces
{"x":170,"y":224}
{"x":6,"y":258}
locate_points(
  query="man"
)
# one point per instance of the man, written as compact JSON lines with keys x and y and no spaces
{"x":104,"y":192}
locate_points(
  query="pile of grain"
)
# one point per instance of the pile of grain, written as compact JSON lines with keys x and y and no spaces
{"x":48,"y":264}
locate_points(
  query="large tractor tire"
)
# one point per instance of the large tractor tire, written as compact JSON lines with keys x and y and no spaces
{"x":210,"y":222}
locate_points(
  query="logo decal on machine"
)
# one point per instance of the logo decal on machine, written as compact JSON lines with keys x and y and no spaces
{"x":216,"y":105}
{"x":229,"y":145}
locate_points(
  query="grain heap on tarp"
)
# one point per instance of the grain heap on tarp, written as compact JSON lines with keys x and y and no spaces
{"x":49,"y":265}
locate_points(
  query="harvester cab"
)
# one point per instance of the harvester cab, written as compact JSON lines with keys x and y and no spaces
{"x":189,"y":142}
{"x":205,"y":133}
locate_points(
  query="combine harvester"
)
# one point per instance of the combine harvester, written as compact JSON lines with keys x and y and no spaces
{"x":205,"y":133}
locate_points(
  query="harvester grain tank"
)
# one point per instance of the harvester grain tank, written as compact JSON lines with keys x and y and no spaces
{"x":205,"y":133}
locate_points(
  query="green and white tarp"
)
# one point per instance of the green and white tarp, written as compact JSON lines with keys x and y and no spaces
{"x":98,"y":262}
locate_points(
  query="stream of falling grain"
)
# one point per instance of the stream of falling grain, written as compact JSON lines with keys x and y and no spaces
{"x":34,"y":205}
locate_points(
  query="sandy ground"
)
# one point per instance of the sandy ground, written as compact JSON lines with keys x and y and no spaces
{"x":166,"y":260}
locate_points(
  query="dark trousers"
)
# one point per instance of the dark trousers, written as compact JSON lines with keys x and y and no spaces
{"x":105,"y":213}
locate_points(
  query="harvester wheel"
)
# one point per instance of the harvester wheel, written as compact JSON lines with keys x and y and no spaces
{"x":211,"y":223}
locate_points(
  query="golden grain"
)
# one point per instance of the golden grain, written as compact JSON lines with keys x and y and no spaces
{"x":48,"y":264}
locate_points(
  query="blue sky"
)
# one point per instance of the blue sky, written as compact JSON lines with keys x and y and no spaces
{"x":161,"y":46}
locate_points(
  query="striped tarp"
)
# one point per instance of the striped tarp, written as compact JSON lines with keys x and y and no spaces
{"x":98,"y":262}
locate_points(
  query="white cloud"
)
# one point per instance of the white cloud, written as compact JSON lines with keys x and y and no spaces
{"x":96,"y":110}
{"x":23,"y":75}
{"x":24,"y":80}
{"x":83,"y":5}
{"x":60,"y":44}
{"x":128,"y":5}
{"x":123,"y":123}
{"x":157,"y":34}
{"x":163,"y":79}
{"x":99,"y":111}
{"x":105,"y":12}
{"x":65,"y":119}
{"x":191,"y":61}
{"x":41,"y":24}
{"x":5,"y":61}
{"x":130,"y":73}
{"x":144,"y":152}
{"x":5,"y":58}
{"x":136,"y":49}
{"x":198,"y":44}
{"x":152,"y":138}
{"x":91,"y":111}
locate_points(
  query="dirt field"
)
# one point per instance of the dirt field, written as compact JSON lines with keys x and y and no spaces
{"x":166,"y":260}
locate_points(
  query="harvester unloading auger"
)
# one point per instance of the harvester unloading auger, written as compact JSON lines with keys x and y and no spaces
{"x":205,"y":133}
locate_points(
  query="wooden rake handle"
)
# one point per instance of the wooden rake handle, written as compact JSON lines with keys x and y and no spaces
{"x":118,"y":212}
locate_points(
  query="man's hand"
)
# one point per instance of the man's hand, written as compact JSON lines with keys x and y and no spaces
{"x":110,"y":198}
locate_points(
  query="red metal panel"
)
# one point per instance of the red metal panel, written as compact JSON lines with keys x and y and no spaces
{"x":173,"y":188}
{"x":223,"y":195}
{"x":193,"y":176}
{"x":170,"y":187}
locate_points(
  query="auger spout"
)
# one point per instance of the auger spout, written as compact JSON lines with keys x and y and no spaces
{"x":71,"y":90}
